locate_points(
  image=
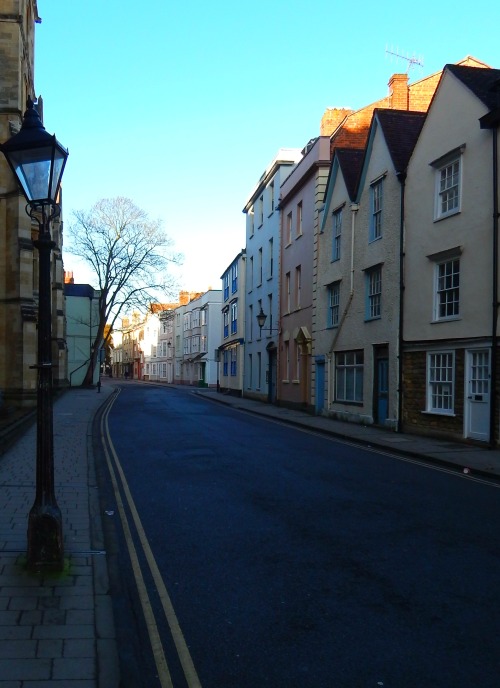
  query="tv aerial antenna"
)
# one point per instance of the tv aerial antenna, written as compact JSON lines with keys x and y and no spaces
{"x":412,"y":60}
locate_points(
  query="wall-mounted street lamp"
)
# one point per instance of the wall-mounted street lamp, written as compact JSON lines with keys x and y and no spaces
{"x":37,"y":160}
{"x":261,"y":321}
{"x":271,"y":351}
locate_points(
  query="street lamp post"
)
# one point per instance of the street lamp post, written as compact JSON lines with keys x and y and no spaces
{"x":261,"y":321}
{"x":37,"y":160}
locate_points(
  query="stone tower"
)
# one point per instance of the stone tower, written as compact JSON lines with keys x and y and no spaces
{"x":18,"y":258}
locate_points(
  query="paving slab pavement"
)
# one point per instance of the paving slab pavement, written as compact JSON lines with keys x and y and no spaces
{"x":56,"y":629}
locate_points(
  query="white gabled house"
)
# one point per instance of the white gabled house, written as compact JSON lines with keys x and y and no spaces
{"x":450,"y":380}
{"x":362,"y":235}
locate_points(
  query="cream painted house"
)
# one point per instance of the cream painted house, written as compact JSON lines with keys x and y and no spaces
{"x":199,"y":339}
{"x":359,"y":269}
{"x":450,"y":380}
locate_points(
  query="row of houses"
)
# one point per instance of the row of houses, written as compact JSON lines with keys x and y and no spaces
{"x":368,"y":286}
{"x":176,"y":343}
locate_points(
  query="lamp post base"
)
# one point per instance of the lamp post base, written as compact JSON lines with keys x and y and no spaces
{"x":45,"y":539}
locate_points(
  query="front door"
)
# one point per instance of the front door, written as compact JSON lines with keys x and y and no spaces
{"x":381,"y":385}
{"x":271,"y":373}
{"x":478,"y":395}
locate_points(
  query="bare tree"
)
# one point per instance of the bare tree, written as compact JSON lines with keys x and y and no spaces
{"x":129,"y":255}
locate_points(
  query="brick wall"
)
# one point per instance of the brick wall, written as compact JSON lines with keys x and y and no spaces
{"x":331,"y":119}
{"x":414,"y":398}
{"x":399,"y":93}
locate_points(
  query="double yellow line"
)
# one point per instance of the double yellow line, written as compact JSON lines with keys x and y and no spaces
{"x":120,"y":486}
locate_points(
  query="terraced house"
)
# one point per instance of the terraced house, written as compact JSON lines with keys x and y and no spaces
{"x":450,"y":334}
{"x":360,"y":266}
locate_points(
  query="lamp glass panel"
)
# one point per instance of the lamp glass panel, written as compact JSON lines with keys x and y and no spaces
{"x":59,"y":161}
{"x":32,"y":168}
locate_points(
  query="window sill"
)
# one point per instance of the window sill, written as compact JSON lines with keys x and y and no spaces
{"x":348,"y":403}
{"x":452,"y":318}
{"x":451,"y":213}
{"x":295,"y":382}
{"x":444,"y":414}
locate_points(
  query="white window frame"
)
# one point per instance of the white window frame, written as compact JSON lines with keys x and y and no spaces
{"x":440,"y":376}
{"x":271,"y":197}
{"x":374,"y":293}
{"x":234,"y":317}
{"x":337,"y":234}
{"x":333,"y":304}
{"x":376,"y":208}
{"x":446,"y":292}
{"x":299,"y":220}
{"x":448,"y":184}
{"x":298,"y":287}
{"x":349,"y":376}
{"x":289,"y":224}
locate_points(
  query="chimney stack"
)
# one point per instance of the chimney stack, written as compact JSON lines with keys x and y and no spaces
{"x":399,"y":92}
{"x":331,"y":119}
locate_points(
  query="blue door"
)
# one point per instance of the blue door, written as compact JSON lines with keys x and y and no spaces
{"x":382,"y":391}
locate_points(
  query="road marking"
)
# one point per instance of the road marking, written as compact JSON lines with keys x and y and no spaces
{"x":154,"y":636}
{"x":168,"y":609}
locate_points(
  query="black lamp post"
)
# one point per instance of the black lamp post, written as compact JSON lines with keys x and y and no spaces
{"x":37,"y":160}
{"x":261,"y":321}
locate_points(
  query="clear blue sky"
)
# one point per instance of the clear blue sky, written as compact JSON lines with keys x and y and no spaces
{"x":180,"y":106}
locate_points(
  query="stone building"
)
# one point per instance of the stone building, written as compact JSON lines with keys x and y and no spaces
{"x":18,"y":258}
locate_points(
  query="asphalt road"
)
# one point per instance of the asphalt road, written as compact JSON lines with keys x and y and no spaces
{"x":290,"y":560}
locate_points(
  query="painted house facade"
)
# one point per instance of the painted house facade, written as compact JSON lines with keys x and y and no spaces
{"x":301,"y":195}
{"x":262,"y":277}
{"x":232,"y":349}
{"x":357,"y":314}
{"x":200,"y":339}
{"x":450,"y":379}
{"x":166,"y":345}
{"x":362,"y":235}
{"x":82,"y":322}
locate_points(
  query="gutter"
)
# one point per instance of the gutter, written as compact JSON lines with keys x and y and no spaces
{"x":492,"y":121}
{"x":494,"y":335}
{"x":402,"y":180}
